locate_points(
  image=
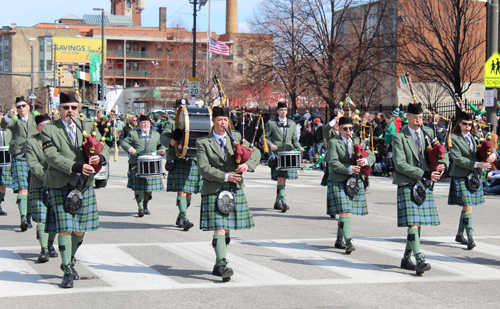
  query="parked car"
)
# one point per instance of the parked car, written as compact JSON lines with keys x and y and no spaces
{"x":101,"y":178}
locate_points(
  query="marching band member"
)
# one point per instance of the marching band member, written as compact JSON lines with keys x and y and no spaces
{"x":411,"y":171}
{"x":466,"y":162}
{"x":5,"y":175}
{"x":343,"y":165}
{"x":281,"y":132}
{"x":70,"y":180}
{"x":38,"y":167}
{"x":142,"y":141}
{"x":183,"y":177}
{"x":22,"y":128}
{"x":222,"y":176}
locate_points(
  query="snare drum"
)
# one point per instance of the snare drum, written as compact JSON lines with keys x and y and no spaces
{"x":4,"y":156}
{"x":288,"y":161}
{"x":195,"y":122}
{"x":148,"y":166}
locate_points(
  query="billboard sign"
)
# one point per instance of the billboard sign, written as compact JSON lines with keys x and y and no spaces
{"x":76,"y":50}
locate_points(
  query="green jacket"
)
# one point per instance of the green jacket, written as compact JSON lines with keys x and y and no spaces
{"x":36,"y":161}
{"x":329,"y":132}
{"x":61,"y":154}
{"x":339,"y":160}
{"x":213,"y":167}
{"x":7,"y":136}
{"x":20,"y":132}
{"x":389,"y":133}
{"x":166,"y":137}
{"x":405,"y":156}
{"x":274,"y":135}
{"x":136,"y":141}
{"x":463,"y":157}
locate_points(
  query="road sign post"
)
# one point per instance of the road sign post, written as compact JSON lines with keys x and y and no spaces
{"x":194,"y":89}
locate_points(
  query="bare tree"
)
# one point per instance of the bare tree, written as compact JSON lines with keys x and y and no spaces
{"x":444,"y":41}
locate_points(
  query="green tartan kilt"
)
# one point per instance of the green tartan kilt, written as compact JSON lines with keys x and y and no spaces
{"x":411,"y":214}
{"x":184,"y":178}
{"x":211,"y":219}
{"x":20,"y":174}
{"x":462,"y":196}
{"x":59,"y":221}
{"x":143,"y":184}
{"x":338,"y":202}
{"x":285,"y":174}
{"x":6,"y":177}
{"x":38,"y":208}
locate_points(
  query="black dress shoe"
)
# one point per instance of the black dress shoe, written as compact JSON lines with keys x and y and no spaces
{"x":284,"y":208}
{"x":277,"y":206}
{"x":186,"y":225}
{"x":407,"y":264}
{"x":461,"y":239}
{"x":339,"y":244}
{"x":44,"y":256}
{"x":140,"y":213}
{"x":178,"y":222}
{"x":471,"y":244}
{"x":24,"y":225}
{"x":223,"y":271}
{"x":2,"y":213}
{"x":67,"y":281}
{"x":52,"y":252}
{"x":146,"y":211}
{"x":333,"y":216}
{"x":422,"y":267}
{"x":348,"y":246}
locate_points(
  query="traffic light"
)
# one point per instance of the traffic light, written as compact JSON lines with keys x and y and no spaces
{"x":59,"y":71}
{"x":52,"y":73}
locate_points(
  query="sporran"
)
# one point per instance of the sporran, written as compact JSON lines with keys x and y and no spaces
{"x":225,"y":202}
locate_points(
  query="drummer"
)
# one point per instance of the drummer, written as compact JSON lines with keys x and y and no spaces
{"x":281,"y":134}
{"x":183,"y":176}
{"x":142,"y":141}
{"x":5,"y":176}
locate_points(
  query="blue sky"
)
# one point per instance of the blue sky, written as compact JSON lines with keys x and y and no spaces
{"x":30,"y":12}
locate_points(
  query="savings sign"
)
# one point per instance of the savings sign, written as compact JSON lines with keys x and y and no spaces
{"x":76,"y":49}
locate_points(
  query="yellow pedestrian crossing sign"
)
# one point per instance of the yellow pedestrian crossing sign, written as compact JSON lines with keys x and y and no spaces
{"x":492,"y":71}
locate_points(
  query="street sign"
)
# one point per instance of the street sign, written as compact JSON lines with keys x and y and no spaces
{"x":492,"y":71}
{"x":489,"y":98}
{"x":194,"y":86}
{"x":32,"y":96}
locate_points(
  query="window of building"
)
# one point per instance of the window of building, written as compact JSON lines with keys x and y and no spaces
{"x":6,"y":45}
{"x":158,"y":48}
{"x":136,"y":47}
{"x":6,"y":65}
{"x":42,"y":67}
{"x":1,"y":65}
{"x":48,"y":47}
{"x":250,"y":50}
{"x":240,"y":50}
{"x":40,"y":43}
{"x":127,"y":46}
{"x":240,"y":69}
{"x":135,"y":66}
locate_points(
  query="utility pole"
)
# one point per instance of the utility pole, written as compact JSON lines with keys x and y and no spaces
{"x":193,"y":74}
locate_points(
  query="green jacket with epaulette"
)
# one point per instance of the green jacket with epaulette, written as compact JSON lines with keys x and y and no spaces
{"x":20,"y":132}
{"x":61,"y":153}
{"x":166,"y":137}
{"x":463,"y":157}
{"x":36,"y":161}
{"x":136,"y":140}
{"x":274,"y":135}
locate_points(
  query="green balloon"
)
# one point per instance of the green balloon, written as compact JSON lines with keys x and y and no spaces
{"x":357,"y":111}
{"x":36,"y":113}
{"x":341,"y":103}
{"x":14,"y":118}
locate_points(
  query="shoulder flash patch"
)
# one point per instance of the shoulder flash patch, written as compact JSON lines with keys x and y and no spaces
{"x":47,"y":144}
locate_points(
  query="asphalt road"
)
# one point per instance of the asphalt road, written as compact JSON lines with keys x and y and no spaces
{"x":286,"y":261}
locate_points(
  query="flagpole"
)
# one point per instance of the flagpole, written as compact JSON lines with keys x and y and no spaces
{"x":209,"y":35}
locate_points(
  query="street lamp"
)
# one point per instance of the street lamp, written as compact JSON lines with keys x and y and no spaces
{"x":102,"y":52}
{"x":30,"y":47}
{"x":195,"y":4}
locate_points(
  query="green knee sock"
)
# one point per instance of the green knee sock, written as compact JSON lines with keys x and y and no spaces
{"x":414,"y":241}
{"x":461,"y":226}
{"x":50,"y":241}
{"x":76,"y":242}
{"x":280,"y":193}
{"x":2,"y":195}
{"x":467,"y":222}
{"x":147,"y":197}
{"x":139,"y":198}
{"x":345,"y":224}
{"x":43,"y":237}
{"x":220,"y":248}
{"x":182,"y":205}
{"x":228,"y":238}
{"x":22,"y":204}
{"x":340,"y":234}
{"x":188,"y":202}
{"x":65,"y":249}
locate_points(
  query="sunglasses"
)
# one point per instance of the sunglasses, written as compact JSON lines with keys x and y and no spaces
{"x":347,"y":129}
{"x":468,"y":124}
{"x":66,"y":107}
{"x":21,"y":106}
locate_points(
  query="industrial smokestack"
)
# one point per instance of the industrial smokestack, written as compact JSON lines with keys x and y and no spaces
{"x":163,"y":18}
{"x":231,"y":16}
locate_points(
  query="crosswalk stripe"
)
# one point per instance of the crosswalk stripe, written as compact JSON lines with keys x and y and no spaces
{"x":245,"y":271}
{"x":339,"y":263}
{"x":119,"y":269}
{"x":19,"y":276}
{"x":481,"y":247}
{"x":447,"y":263}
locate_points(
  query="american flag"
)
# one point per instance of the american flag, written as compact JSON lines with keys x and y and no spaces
{"x":218,"y":47}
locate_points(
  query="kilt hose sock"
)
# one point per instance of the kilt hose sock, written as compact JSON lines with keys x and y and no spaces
{"x":414,"y":241}
{"x":345,"y":225}
{"x":220,"y":248}
{"x":467,"y":223}
{"x":22,"y":204}
{"x":50,"y":241}
{"x":228,"y":238}
{"x":280,"y":194}
{"x":2,"y":195}
{"x":147,"y":198}
{"x":182,"y":205}
{"x":65,"y":250}
{"x":139,"y":198}
{"x":461,"y":226}
{"x":76,"y":241}
{"x":340,"y":234}
{"x":42,"y":236}
{"x":188,"y":202}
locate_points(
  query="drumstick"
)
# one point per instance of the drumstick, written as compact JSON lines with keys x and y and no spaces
{"x":298,"y":148}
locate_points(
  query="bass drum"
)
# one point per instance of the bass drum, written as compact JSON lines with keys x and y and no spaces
{"x":195,"y":122}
